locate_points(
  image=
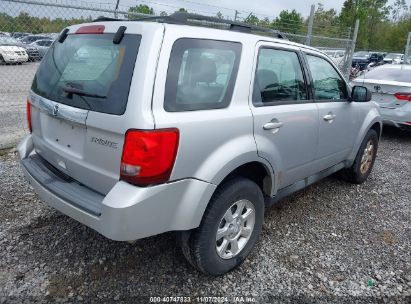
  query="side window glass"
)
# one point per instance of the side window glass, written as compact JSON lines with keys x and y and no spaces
{"x":201,"y":74}
{"x":327,"y":83}
{"x":279,"y":78}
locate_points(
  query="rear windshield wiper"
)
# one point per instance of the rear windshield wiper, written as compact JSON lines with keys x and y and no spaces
{"x":79,"y":92}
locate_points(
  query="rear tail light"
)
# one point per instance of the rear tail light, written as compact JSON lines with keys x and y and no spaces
{"x":403,"y":96}
{"x":28,"y":113}
{"x":148,"y":156}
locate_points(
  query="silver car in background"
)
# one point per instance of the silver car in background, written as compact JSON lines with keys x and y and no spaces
{"x":43,"y":46}
{"x":391,"y":87}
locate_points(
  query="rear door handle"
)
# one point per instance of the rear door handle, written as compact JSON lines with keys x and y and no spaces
{"x":329,"y":117}
{"x":273,"y":125}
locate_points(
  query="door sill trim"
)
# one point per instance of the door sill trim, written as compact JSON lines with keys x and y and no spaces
{"x":301,"y":184}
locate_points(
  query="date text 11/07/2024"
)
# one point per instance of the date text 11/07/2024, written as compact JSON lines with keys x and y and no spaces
{"x":203,"y":299}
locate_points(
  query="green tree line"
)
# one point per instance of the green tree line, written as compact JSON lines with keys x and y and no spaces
{"x":382,"y":26}
{"x":26,"y":23}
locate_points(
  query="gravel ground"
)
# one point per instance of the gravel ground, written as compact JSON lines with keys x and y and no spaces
{"x":333,"y":242}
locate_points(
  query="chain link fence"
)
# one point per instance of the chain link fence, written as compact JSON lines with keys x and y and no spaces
{"x":21,"y":19}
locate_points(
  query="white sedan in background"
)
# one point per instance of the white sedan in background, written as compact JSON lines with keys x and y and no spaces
{"x":391,"y":87}
{"x":394,"y":58}
{"x":10,"y":53}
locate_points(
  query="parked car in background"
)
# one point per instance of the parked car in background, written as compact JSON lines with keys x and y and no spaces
{"x":19,"y":35}
{"x":361,"y":59}
{"x":336,"y":55}
{"x":11,"y":53}
{"x":42,"y":46}
{"x":32,"y":38}
{"x":393,"y":58}
{"x":376,"y":57}
{"x":391,"y":87}
{"x":31,"y":51}
{"x":52,"y":36}
{"x":138,"y":128}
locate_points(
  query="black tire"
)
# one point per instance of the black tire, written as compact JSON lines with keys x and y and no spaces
{"x":199,"y":245}
{"x":355,"y":174}
{"x":2,"y":60}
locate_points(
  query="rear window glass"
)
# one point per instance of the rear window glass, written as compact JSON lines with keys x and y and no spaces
{"x":391,"y":74}
{"x":89,"y":72}
{"x":201,"y":74}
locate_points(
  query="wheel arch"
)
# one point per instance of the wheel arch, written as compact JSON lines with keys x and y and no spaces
{"x":257,"y":171}
{"x":377,"y":126}
{"x":372,"y":121}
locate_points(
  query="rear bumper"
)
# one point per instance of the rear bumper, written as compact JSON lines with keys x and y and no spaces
{"x":396,"y":117}
{"x":127,"y":212}
{"x":15,"y":58}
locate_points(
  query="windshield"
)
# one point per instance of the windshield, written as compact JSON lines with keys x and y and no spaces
{"x":361,"y":54}
{"x":8,"y":41}
{"x":98,"y":71}
{"x":390,"y":74}
{"x":393,"y":56}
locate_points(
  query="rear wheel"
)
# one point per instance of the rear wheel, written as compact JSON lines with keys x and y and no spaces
{"x":2,"y":61}
{"x":364,"y":161}
{"x":229,"y":229}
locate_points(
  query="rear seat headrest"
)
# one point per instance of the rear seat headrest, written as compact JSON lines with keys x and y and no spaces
{"x":204,"y":70}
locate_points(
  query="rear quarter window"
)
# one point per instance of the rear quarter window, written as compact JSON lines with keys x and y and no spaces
{"x":201,"y":74}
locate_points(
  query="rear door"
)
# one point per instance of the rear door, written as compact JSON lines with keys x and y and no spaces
{"x":285,"y":119}
{"x":338,"y":120}
{"x":80,"y":100}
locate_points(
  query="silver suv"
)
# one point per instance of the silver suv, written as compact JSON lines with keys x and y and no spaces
{"x":143,"y":127}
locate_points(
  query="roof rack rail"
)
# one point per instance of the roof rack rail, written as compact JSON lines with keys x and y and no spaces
{"x":102,"y":19}
{"x":206,"y":21}
{"x":185,"y":18}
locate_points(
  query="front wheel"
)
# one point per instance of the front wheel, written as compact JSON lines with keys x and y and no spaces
{"x":229,"y":229}
{"x":364,"y":161}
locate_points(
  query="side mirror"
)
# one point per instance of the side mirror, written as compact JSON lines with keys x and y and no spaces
{"x":360,"y":94}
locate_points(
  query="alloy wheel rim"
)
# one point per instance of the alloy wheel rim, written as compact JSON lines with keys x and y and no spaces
{"x":367,"y":157}
{"x":235,"y":229}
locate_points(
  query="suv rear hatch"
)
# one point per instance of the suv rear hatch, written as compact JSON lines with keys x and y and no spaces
{"x":78,"y":97}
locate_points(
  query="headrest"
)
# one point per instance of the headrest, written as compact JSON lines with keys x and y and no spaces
{"x":203,"y":70}
{"x":265,"y":78}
